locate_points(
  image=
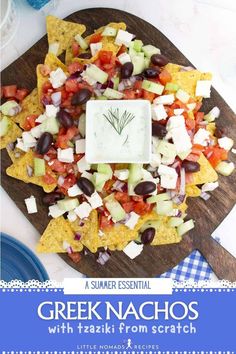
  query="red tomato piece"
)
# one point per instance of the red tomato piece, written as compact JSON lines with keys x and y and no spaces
{"x":137,"y":198}
{"x":122,"y":197}
{"x":217,"y":156}
{"x":49,"y":179}
{"x":46,"y":86}
{"x":30,"y":122}
{"x":165,"y":77}
{"x":148,"y":95}
{"x":190,"y":123}
{"x":70,"y":180}
{"x":108,"y":185}
{"x":128,"y":206}
{"x":142,"y":208}
{"x":199,"y":116}
{"x":192,"y":157}
{"x":57,"y":166}
{"x":73,"y":67}
{"x":71,"y":85}
{"x":129,"y":94}
{"x":75,"y":49}
{"x":21,"y":94}
{"x":9,"y":91}
{"x":96,"y":37}
{"x":121,"y":50}
{"x":105,"y":56}
{"x":104,"y":222}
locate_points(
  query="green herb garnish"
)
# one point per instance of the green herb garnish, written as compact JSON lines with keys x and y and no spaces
{"x":117,"y":121}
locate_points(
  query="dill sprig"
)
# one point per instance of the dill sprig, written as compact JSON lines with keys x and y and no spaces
{"x":118,"y":122}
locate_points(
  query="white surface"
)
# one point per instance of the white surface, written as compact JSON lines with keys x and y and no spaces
{"x":203,"y":32}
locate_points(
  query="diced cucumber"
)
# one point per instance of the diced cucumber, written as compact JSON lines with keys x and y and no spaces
{"x":116,"y":82}
{"x":152,"y":223}
{"x":109,"y":32}
{"x":166,"y":149}
{"x":225,"y":168}
{"x":106,"y":169}
{"x":137,"y":45}
{"x":146,"y":62}
{"x":113,"y":94}
{"x":99,"y":179}
{"x":158,"y":198}
{"x":175,"y":221}
{"x":39,"y":167}
{"x":135,"y":173}
{"x":102,"y":98}
{"x":97,"y":74}
{"x":171,"y":87}
{"x":68,"y":204}
{"x":82,"y":125}
{"x":138,"y":63}
{"x":10,"y":108}
{"x":4,"y":126}
{"x":184,"y":154}
{"x":212,"y":115}
{"x":164,"y":207}
{"x":185,"y":227}
{"x":152,"y":87}
{"x":149,"y":50}
{"x":81,"y":41}
{"x":115,"y":209}
{"x":132,"y":52}
{"x":50,"y":125}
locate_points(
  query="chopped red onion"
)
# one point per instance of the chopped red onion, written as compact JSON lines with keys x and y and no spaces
{"x":171,"y":193}
{"x":56,"y":99}
{"x":178,"y":199}
{"x":81,"y":223}
{"x":118,"y":186}
{"x":186,"y":68}
{"x":11,"y":146}
{"x":97,"y":92}
{"x":45,"y":101}
{"x":46,"y":157}
{"x":121,"y":86}
{"x":205,"y":195}
{"x":69,"y":250}
{"x":29,"y":171}
{"x":103,"y":257}
{"x":60,"y":180}
{"x":182,"y":181}
{"x":77,"y":237}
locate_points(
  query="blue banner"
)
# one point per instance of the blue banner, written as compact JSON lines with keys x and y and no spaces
{"x":48,"y":320}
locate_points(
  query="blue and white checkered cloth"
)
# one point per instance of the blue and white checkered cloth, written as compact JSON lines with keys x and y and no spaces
{"x":194,"y":267}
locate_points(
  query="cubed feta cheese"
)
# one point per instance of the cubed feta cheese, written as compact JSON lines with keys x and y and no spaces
{"x":159,"y":112}
{"x":80,"y":146}
{"x":176,"y":127}
{"x":123,"y":37}
{"x":208,"y":187}
{"x":226,"y":143}
{"x":51,"y":110}
{"x":65,"y":155}
{"x":87,"y":175}
{"x":41,"y":118}
{"x":124,"y":58}
{"x":83,"y":210}
{"x":88,"y":78}
{"x":83,"y":165}
{"x":71,"y":216}
{"x":203,"y":88}
{"x":122,"y":175}
{"x":57,"y":78}
{"x":31,"y":205}
{"x":169,"y":176}
{"x":95,"y":200}
{"x":28,"y":139}
{"x":178,"y":111}
{"x":155,"y":160}
{"x":55,"y":211}
{"x":182,"y":95}
{"x":95,"y":47}
{"x":201,"y":137}
{"x":165,"y":99}
{"x":132,"y":250}
{"x":74,"y":191}
{"x":132,"y":221}
{"x":36,"y":131}
{"x":20,"y":145}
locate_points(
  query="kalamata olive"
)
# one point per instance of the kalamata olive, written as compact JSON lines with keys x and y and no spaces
{"x":159,"y":59}
{"x":65,"y":119}
{"x":151,"y":72}
{"x":81,"y":97}
{"x":190,"y":166}
{"x":144,"y":188}
{"x":147,"y":235}
{"x":44,"y":143}
{"x":126,"y":70}
{"x":85,"y":56}
{"x":86,"y":186}
{"x":158,"y":130}
{"x":220,"y":132}
{"x":52,"y":198}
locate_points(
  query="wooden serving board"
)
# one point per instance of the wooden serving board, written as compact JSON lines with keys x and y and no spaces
{"x":208,"y":215}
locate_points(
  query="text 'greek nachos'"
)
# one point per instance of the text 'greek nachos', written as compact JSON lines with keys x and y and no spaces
{"x":112,"y":206}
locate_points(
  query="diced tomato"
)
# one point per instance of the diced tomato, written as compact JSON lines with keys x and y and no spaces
{"x":70,"y":180}
{"x":108,"y":185}
{"x":75,"y":49}
{"x":198,"y":106}
{"x":57,"y":166}
{"x":165,"y":77}
{"x":129,"y":94}
{"x":197,"y":147}
{"x":46,"y":86}
{"x":128,"y":206}
{"x":73,"y":67}
{"x":218,"y":154}
{"x":9,"y":91}
{"x":190,"y":123}
{"x":49,"y":179}
{"x":75,"y":256}
{"x":52,"y":153}
{"x":64,"y":138}
{"x":138,"y":88}
{"x":71,"y":85}
{"x":30,"y":122}
{"x":98,"y":63}
{"x":199,"y":116}
{"x":21,"y":94}
{"x":96,"y":37}
{"x":105,"y":56}
{"x":121,"y":50}
{"x":104,"y":222}
{"x":122,"y":197}
{"x":148,"y":95}
{"x":137,"y":198}
{"x":142,"y":208}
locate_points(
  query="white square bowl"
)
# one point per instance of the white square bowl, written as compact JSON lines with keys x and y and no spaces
{"x":118,"y":131}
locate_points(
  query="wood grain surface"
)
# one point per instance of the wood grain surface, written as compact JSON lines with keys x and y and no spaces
{"x":208,"y":215}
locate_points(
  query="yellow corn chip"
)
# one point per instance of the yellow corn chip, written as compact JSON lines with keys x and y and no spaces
{"x":62,"y":32}
{"x":30,"y":105}
{"x":165,"y":234}
{"x":192,"y":191}
{"x":172,"y":68}
{"x":15,"y":154}
{"x":12,"y":134}
{"x":18,"y":170}
{"x":108,"y":43}
{"x":58,"y":232}
{"x":211,"y":127}
{"x":206,"y":173}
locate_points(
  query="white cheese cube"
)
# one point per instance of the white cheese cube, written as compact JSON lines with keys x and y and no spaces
{"x":20,"y":145}
{"x":203,"y":88}
{"x":124,"y":58}
{"x":55,"y":211}
{"x":165,"y":99}
{"x":31,"y":205}
{"x":36,"y":132}
{"x":178,"y":111}
{"x":28,"y":139}
{"x":74,"y":191}
{"x":201,"y":137}
{"x":182,"y":95}
{"x":65,"y":155}
{"x":176,"y":127}
{"x":209,"y":187}
{"x":41,"y":118}
{"x":83,"y":165}
{"x":132,"y":221}
{"x":80,"y":146}
{"x":51,"y":110}
{"x":169,"y":176}
{"x":83,"y":210}
{"x":95,"y":200}
{"x":155,"y":160}
{"x":159,"y":112}
{"x":132,"y":250}
{"x":87,"y":175}
{"x":122,"y":175}
{"x":71,"y":216}
{"x":123,"y":37}
{"x":57,"y":78}
{"x":95,"y":47}
{"x":226,"y":143}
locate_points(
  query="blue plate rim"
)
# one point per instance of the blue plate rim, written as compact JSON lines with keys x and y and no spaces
{"x":27,"y":252}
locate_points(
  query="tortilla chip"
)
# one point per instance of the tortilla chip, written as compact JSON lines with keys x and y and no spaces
{"x":172,"y":68}
{"x":15,"y":153}
{"x":58,"y":231}
{"x":12,"y":134}
{"x":30,"y":105}
{"x":192,"y":191}
{"x":206,"y":174}
{"x":211,"y":127}
{"x":18,"y":170}
{"x":107,"y":44}
{"x":62,"y":32}
{"x":165,"y":234}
